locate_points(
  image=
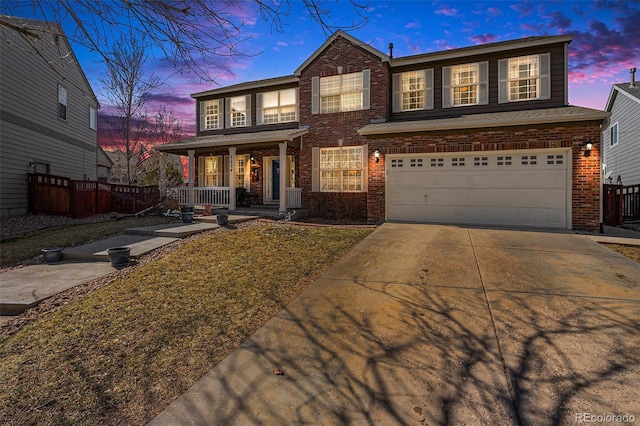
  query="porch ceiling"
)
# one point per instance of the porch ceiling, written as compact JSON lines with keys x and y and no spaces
{"x":220,"y":143}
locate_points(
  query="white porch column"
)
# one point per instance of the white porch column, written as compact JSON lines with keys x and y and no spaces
{"x":192,"y":177}
{"x":162,"y":175}
{"x":284,"y":179}
{"x":232,"y":178}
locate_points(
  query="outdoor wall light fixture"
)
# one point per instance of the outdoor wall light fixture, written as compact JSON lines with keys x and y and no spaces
{"x":587,"y":150}
{"x":377,"y":155}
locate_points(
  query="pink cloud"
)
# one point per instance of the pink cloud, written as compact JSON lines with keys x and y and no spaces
{"x":524,"y":9}
{"x":446,"y":11}
{"x":413,"y":24}
{"x":483,"y":38}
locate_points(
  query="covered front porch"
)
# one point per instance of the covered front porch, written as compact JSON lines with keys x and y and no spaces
{"x":238,"y":171}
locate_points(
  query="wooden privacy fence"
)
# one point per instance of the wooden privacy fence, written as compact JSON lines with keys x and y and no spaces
{"x":631,"y":202}
{"x":80,"y":198}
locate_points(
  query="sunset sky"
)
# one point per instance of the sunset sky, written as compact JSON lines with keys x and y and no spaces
{"x":605,"y":45}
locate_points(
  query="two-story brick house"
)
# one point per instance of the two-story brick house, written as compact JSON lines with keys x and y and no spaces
{"x":477,"y":135}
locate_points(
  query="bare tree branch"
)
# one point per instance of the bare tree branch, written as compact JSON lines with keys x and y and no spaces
{"x":188,"y":34}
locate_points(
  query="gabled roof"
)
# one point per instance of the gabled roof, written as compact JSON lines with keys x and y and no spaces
{"x":624,"y":89}
{"x":349,"y":38}
{"x":481,"y":49}
{"x":492,"y":119}
{"x":27,"y":27}
{"x":267,"y":82}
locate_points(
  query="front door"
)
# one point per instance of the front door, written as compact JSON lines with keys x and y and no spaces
{"x":275,"y":179}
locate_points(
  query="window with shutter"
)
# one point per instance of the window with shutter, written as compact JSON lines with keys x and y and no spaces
{"x":343,"y":92}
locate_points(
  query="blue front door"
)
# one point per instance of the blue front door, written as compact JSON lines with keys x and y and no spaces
{"x":275,"y":178}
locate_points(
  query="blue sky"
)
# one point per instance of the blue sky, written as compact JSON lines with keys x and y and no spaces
{"x":605,"y":45}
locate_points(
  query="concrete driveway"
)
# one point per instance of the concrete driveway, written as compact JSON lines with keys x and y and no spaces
{"x":426,"y":324}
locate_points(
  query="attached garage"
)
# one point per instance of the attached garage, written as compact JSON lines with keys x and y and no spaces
{"x":526,"y":188}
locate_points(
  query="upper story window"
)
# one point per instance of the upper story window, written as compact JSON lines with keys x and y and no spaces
{"x":239,"y":109}
{"x":211,"y":115}
{"x":613,"y":135}
{"x":62,"y":102}
{"x":524,"y":78}
{"x":465,"y":84}
{"x":278,"y":106}
{"x":340,"y":93}
{"x":93,"y":118}
{"x":413,"y":90}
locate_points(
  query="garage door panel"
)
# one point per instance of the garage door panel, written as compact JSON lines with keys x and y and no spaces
{"x":531,"y":190}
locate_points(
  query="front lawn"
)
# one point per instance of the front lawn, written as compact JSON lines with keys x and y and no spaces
{"x":25,"y":246}
{"x":122,"y":353}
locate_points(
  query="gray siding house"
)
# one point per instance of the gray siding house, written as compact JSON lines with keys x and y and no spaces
{"x":48,"y":110}
{"x":621,"y":134}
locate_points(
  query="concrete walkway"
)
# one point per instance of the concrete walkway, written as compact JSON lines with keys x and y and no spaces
{"x":426,"y":324}
{"x":26,"y":287}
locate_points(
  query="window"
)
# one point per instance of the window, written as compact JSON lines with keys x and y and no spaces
{"x":465,"y":84}
{"x":242,"y":171}
{"x":279,"y":106}
{"x":341,"y":169}
{"x":62,"y":102}
{"x":412,"y":90}
{"x":524,"y":78}
{"x":239,"y":110}
{"x":210,"y":115}
{"x":210,"y":169}
{"x":613,"y":135}
{"x":93,"y":118}
{"x":341,"y":93}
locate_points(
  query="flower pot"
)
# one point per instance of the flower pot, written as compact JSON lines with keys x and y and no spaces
{"x":187,"y":217}
{"x":52,"y":254}
{"x":222,"y":219}
{"x":119,"y":256}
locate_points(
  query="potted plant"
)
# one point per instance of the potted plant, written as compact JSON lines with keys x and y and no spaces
{"x":222,"y":217}
{"x":52,"y":254}
{"x":187,"y":214}
{"x":119,"y":256}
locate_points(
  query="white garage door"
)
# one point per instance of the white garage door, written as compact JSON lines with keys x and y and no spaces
{"x":518,"y":188}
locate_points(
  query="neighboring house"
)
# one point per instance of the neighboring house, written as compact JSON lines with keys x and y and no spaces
{"x":479,"y":135}
{"x":48,"y":110}
{"x":621,"y":134}
{"x":105,"y":164}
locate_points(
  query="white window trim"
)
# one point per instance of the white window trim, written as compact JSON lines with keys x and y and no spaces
{"x":204,"y":115}
{"x":93,"y":118}
{"x":260,"y":109}
{"x":62,"y":100}
{"x":482,"y":97}
{"x":316,"y":99}
{"x":202,"y":172}
{"x":543,"y":79}
{"x":427,"y":103}
{"x":246,"y":112}
{"x":341,"y":170}
{"x":511,"y":80}
{"x":617,"y":133}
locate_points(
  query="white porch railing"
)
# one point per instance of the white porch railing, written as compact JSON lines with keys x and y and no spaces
{"x":216,"y":196}
{"x":294,"y":198}
{"x":219,"y":196}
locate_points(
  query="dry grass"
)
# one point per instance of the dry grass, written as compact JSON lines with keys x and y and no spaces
{"x":120,"y":354}
{"x":632,"y":252}
{"x":25,"y":246}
